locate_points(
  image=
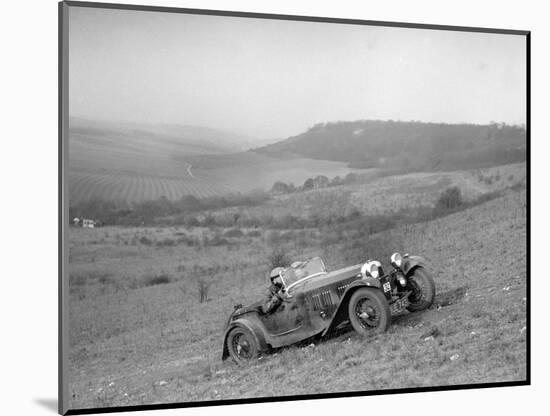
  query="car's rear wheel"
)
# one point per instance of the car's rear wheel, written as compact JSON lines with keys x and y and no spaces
{"x":242,"y":345}
{"x":369,"y":312}
{"x":423,"y":290}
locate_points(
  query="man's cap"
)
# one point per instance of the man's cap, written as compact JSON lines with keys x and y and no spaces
{"x":276,"y":272}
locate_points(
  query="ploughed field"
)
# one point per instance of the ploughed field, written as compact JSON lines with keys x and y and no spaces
{"x":135,"y":162}
{"x":139,"y":333}
{"x":131,"y":186}
{"x":184,"y":179}
{"x":135,"y":174}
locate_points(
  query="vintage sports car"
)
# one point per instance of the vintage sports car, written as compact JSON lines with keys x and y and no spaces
{"x":316,"y":302}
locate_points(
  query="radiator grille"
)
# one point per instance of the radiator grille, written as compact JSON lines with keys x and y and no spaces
{"x":325,"y":298}
{"x":342,"y":289}
{"x":321,"y":300}
{"x":316,"y":302}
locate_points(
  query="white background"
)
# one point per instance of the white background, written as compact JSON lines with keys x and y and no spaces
{"x":28,"y":166}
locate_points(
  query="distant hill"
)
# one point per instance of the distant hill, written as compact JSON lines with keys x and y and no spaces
{"x":153,"y":137}
{"x":136,"y":162}
{"x":407,"y":145}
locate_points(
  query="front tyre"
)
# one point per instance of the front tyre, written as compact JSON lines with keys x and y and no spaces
{"x":423,"y":290}
{"x":242,"y":345}
{"x":369,"y":311}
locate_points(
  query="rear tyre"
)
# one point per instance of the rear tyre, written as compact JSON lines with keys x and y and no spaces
{"x":242,"y":345}
{"x":423,"y":290}
{"x":369,"y":311}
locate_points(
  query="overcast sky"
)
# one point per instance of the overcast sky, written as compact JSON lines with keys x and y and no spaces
{"x":273,"y":78}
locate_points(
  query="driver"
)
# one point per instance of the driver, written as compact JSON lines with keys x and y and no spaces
{"x":272,"y":296}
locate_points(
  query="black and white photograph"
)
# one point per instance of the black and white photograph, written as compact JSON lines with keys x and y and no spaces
{"x":263,"y":207}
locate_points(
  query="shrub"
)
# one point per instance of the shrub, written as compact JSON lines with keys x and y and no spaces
{"x":209,"y":221}
{"x":350,"y":178}
{"x":450,"y":199}
{"x":167,"y":242}
{"x":336,"y":181}
{"x":320,"y":181}
{"x":278,"y":258}
{"x":158,"y":279}
{"x":234,"y":232}
{"x":146,"y":241}
{"x":105,"y":278}
{"x":191,"y":221}
{"x":308,"y":184}
{"x":280,"y":188}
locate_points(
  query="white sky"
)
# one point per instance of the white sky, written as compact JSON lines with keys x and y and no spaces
{"x":274,"y":78}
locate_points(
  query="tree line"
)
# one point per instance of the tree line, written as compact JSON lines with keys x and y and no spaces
{"x":407,"y":145}
{"x":316,"y":182}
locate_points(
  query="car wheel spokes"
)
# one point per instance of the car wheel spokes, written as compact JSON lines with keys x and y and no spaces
{"x":417,"y":294}
{"x":241,"y":346}
{"x":367,"y":314}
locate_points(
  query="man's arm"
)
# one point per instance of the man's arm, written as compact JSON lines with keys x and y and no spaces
{"x":272,"y":300}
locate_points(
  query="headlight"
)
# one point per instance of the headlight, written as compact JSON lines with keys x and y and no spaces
{"x":396,"y":260}
{"x":371,"y":268}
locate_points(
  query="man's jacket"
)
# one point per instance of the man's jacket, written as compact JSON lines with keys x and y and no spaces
{"x":272,"y":299}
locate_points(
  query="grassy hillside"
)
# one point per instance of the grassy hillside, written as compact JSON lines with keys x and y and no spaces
{"x":413,"y":146}
{"x":371,"y":194}
{"x":140,"y":335}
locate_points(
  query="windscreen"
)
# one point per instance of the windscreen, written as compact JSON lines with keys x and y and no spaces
{"x":302,"y":271}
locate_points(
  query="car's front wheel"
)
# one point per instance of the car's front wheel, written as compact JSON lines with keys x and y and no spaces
{"x":423,"y":290}
{"x":369,"y":312}
{"x":241,"y":345}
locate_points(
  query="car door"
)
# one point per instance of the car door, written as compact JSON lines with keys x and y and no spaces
{"x":287,"y":318}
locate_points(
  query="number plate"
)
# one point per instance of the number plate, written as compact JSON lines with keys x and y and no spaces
{"x":387,"y":287}
{"x":399,"y":304}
